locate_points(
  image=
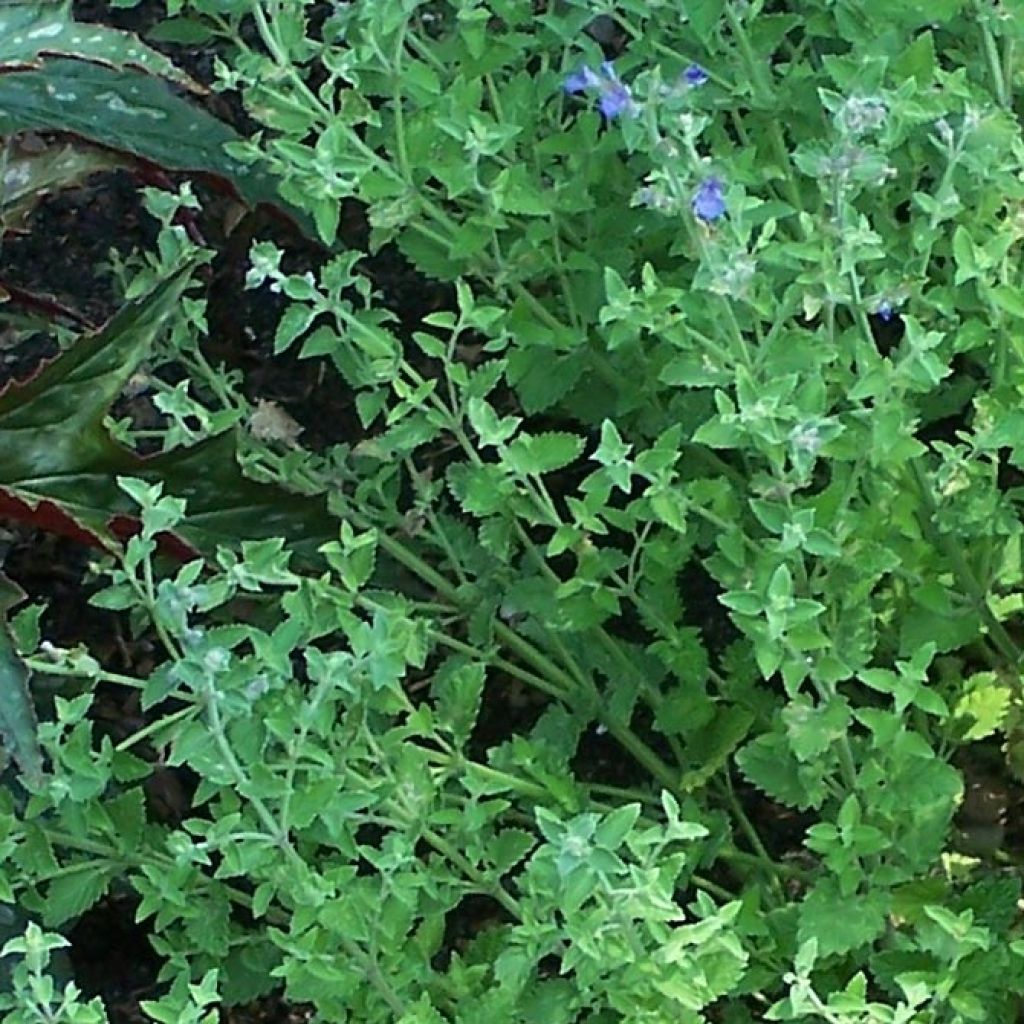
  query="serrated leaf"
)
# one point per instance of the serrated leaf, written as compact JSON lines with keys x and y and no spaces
{"x":543,"y":453}
{"x":909,"y":900}
{"x":422,"y":1012}
{"x":482,"y":490}
{"x":310,"y":799}
{"x":838,"y":923}
{"x":541,"y":379}
{"x":295,"y":321}
{"x":813,"y":727}
{"x":459,"y":692}
{"x":69,"y":896}
{"x":769,"y":764}
{"x":127,"y":812}
{"x":984,"y":704}
{"x":515,"y":192}
{"x":712,"y":747}
{"x":509,"y":846}
{"x":491,"y":428}
{"x":18,"y":726}
{"x":612,"y":450}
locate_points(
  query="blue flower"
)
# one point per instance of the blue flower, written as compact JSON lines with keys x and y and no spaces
{"x":695,"y":75}
{"x":885,"y":310}
{"x":708,"y":201}
{"x":580,"y":81}
{"x":615,"y":100}
{"x":614,"y":96}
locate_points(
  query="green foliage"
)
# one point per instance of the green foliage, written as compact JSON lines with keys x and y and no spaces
{"x":32,"y":995}
{"x":707,"y":457}
{"x":17,"y":715}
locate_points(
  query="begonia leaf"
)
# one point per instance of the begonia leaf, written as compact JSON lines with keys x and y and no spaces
{"x":59,"y":465}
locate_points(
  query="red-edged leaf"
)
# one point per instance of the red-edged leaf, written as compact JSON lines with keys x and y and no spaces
{"x":30,"y":31}
{"x":58,"y":463}
{"x":34,"y":171}
{"x":131,"y":112}
{"x":46,"y":305}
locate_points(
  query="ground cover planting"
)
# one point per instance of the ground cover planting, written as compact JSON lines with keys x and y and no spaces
{"x":511,"y":511}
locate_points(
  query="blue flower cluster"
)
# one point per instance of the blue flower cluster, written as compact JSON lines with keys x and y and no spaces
{"x":614,"y":99}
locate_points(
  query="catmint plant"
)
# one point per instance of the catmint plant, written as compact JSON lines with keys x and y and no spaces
{"x":672,"y":558}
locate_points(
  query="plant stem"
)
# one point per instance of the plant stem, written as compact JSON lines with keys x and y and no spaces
{"x":995,"y":61}
{"x":968,"y":581}
{"x":155,"y":726}
{"x":747,"y":827}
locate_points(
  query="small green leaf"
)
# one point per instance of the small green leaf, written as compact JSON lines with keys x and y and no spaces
{"x":482,"y":490}
{"x":612,"y":831}
{"x":984,"y":705}
{"x":917,"y":61}
{"x":712,"y":747}
{"x":127,"y":812}
{"x":612,"y":450}
{"x":1009,"y":299}
{"x":838,"y":923}
{"x":491,"y":428}
{"x":702,"y":16}
{"x":543,"y":453}
{"x":541,"y":378}
{"x":963,"y":254}
{"x":813,"y":728}
{"x":294,"y":322}
{"x":459,"y":691}
{"x":508,"y":847}
{"x":617,"y":291}
{"x":182,"y":30}
{"x":743,"y":602}
{"x":514,"y":191}
{"x":70,"y":895}
{"x":770,"y":765}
